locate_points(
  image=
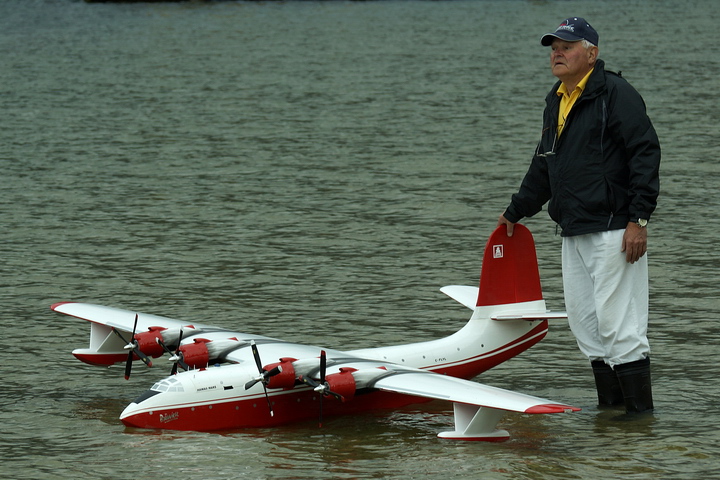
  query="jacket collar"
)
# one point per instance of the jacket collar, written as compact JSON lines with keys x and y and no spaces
{"x":595,"y":84}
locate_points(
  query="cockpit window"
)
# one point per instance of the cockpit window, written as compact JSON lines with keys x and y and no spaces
{"x":147,"y":394}
{"x":170,"y":384}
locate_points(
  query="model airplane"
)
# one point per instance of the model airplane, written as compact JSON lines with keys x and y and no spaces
{"x":225,"y":384}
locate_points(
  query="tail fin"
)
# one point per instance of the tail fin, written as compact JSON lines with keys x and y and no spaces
{"x":510,"y":271}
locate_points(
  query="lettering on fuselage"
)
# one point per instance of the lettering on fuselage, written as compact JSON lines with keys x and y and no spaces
{"x":213,"y":387}
{"x":169,"y":417}
{"x":442,"y":359}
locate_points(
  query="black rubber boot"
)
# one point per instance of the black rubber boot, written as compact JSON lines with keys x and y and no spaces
{"x":636,"y":385}
{"x":607,"y":384}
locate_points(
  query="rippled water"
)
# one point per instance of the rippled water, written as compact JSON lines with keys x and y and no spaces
{"x":316,"y":171}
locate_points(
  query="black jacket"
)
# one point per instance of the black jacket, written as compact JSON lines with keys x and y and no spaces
{"x":603,"y":171}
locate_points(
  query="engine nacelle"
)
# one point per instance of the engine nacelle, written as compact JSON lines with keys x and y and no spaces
{"x":195,"y":354}
{"x":286,"y":378}
{"x":343,"y":383}
{"x":148,"y":341}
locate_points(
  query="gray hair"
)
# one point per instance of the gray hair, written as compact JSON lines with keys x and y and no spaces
{"x":587,"y":44}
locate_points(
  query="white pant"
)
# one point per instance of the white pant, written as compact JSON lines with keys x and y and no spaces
{"x":606,"y":298}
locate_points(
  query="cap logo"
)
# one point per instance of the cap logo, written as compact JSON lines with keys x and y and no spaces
{"x":571,"y":29}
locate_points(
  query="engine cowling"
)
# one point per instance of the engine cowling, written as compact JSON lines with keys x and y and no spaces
{"x":286,"y":378}
{"x":148,"y":341}
{"x":343,"y":383}
{"x":195,"y":354}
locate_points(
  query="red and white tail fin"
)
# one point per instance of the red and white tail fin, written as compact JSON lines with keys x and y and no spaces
{"x":509,"y":282}
{"x":510,"y":271}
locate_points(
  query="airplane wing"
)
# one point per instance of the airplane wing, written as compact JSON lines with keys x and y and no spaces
{"x":452,"y":389}
{"x":477,"y":407}
{"x":113,"y":317}
{"x":112,"y":331}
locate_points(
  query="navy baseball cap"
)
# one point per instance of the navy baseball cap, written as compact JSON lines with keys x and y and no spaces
{"x":572,"y":29}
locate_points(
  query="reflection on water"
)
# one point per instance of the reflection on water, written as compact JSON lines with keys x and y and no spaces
{"x":315,"y":172}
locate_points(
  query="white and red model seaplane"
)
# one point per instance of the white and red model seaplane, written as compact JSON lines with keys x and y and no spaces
{"x":225,"y":385}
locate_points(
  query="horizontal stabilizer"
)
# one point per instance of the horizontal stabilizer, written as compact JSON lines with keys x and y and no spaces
{"x":530,"y":316}
{"x":462,"y":294}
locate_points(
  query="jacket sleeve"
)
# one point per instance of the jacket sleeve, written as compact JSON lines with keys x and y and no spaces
{"x":534,"y":192}
{"x":629,"y":124}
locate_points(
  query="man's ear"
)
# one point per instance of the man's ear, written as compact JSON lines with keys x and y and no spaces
{"x":593,"y":54}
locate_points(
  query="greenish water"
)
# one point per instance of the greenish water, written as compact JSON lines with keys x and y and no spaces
{"x":316,"y":171}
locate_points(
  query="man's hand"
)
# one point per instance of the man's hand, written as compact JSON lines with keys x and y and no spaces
{"x":504,"y":221}
{"x":634,"y":242}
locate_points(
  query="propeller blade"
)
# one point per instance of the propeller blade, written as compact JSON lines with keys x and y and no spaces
{"x":120,"y":336}
{"x":258,"y":364}
{"x":267,"y":397}
{"x":132,"y":348}
{"x":164,"y":347}
{"x":176,"y":358}
{"x":323,"y":368}
{"x":273,"y":372}
{"x":256,"y":355}
{"x":128,"y":364}
{"x":179,"y":340}
{"x":117,"y":332}
{"x":322,"y":386}
{"x":145,"y":359}
{"x":309,"y":381}
{"x":262,"y":375}
{"x":336,"y":395}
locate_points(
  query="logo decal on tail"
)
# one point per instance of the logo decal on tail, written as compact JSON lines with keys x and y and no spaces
{"x":510,"y":271}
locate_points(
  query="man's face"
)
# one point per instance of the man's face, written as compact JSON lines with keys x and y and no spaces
{"x":570,"y":61}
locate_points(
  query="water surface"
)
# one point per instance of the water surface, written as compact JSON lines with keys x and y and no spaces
{"x":316,"y":171}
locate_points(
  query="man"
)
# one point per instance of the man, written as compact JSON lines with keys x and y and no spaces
{"x":597,"y":165}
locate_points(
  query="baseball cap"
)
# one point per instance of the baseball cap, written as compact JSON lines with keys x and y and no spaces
{"x":572,"y":29}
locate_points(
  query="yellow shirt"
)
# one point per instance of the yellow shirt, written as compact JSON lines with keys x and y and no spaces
{"x":567,"y":100}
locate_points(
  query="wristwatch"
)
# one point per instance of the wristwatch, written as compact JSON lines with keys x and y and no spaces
{"x":642,"y":222}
